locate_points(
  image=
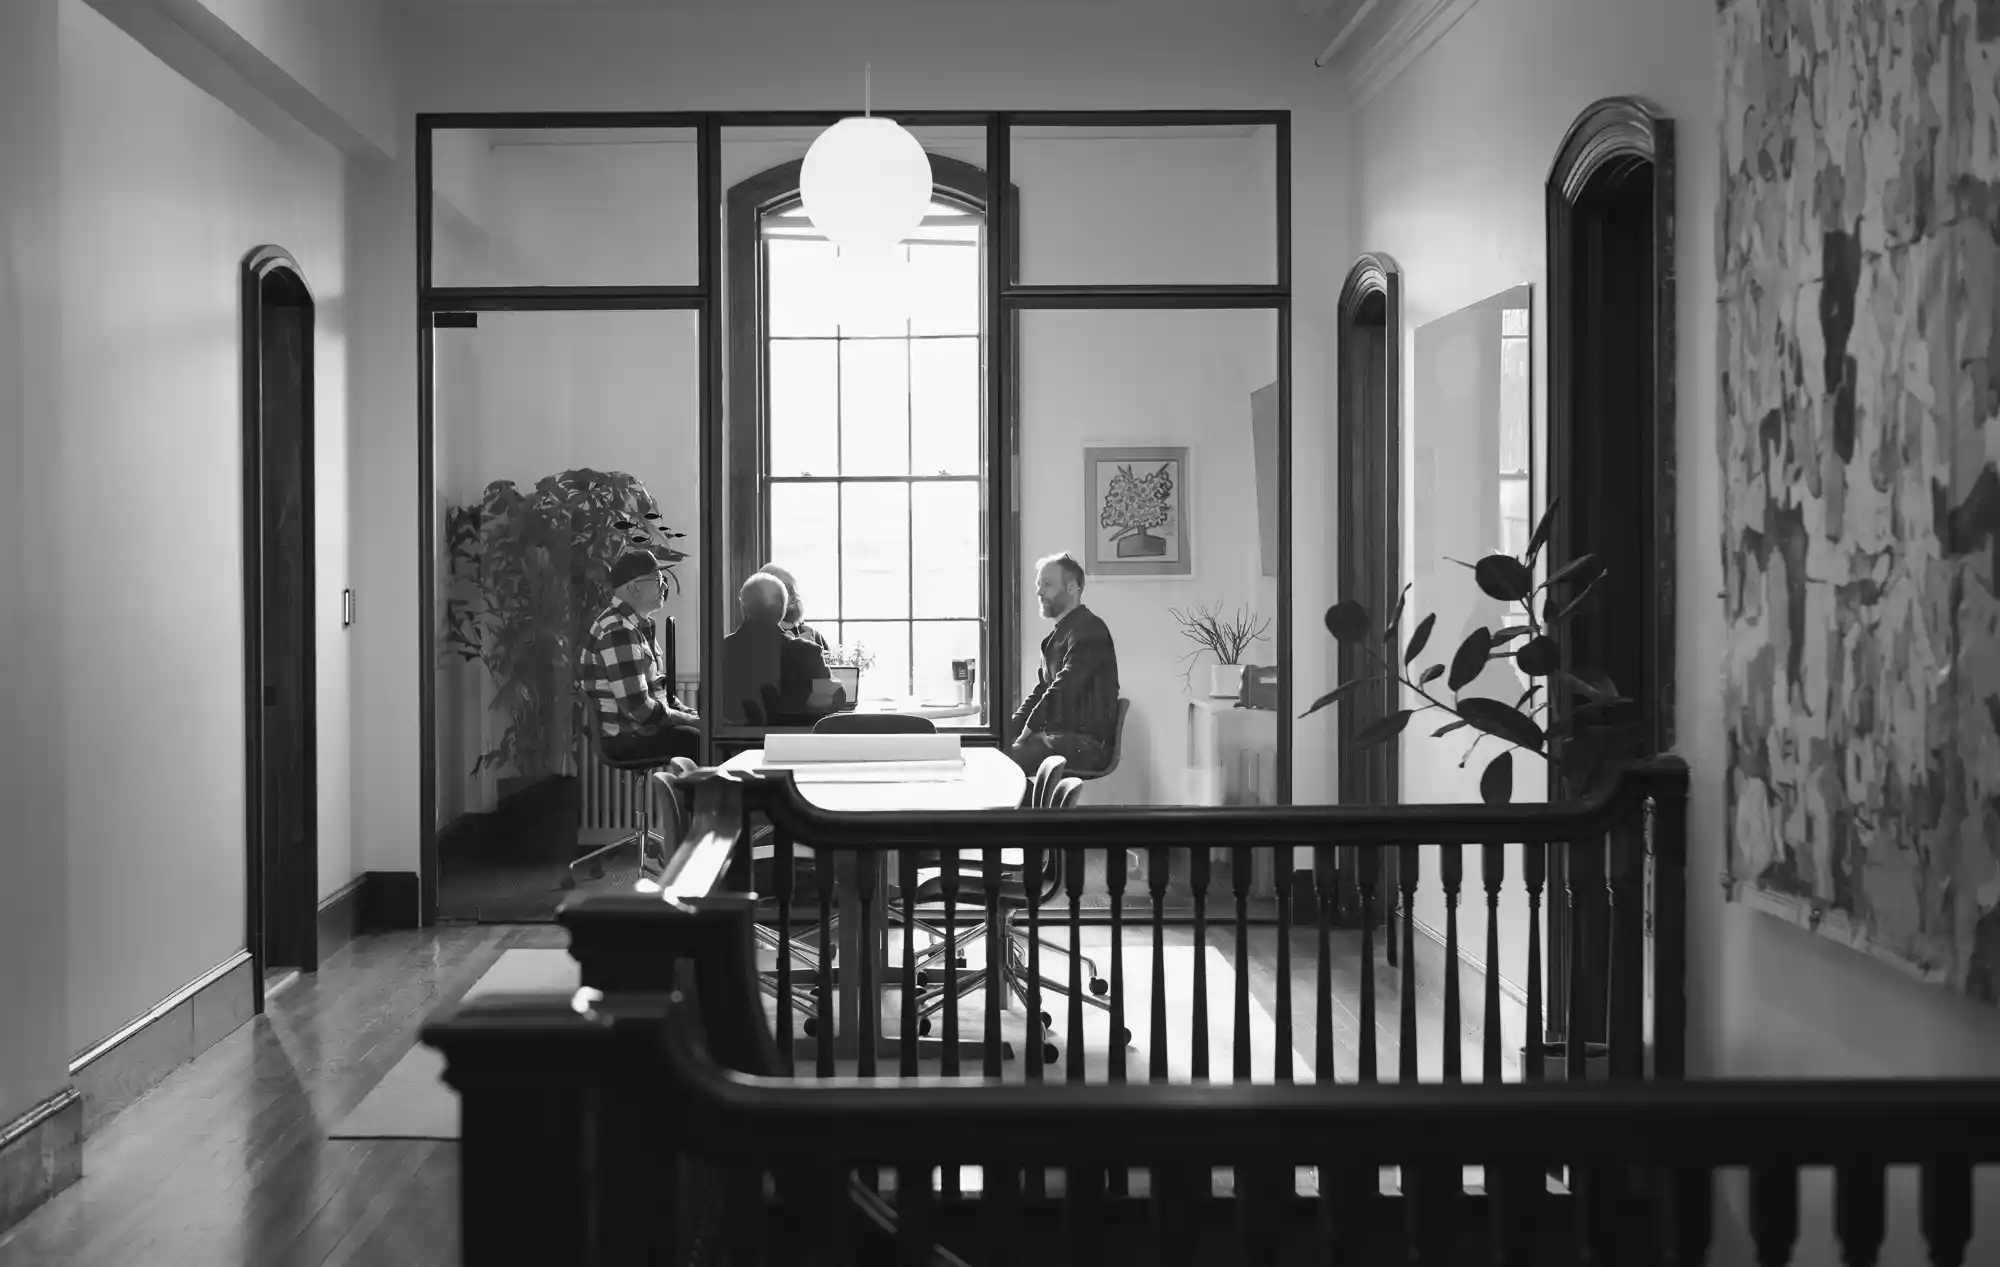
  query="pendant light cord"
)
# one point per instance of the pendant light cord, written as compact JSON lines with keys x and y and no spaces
{"x":867,"y":89}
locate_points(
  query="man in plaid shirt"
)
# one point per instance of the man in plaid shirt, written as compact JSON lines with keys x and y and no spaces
{"x":631,"y":686}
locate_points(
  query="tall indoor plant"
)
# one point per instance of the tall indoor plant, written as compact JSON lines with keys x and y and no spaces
{"x":1533,"y":642}
{"x":528,"y":572}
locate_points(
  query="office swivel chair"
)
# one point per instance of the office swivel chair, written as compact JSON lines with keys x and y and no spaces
{"x":651,"y":864}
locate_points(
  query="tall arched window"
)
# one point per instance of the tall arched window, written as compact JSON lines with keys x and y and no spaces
{"x":866,"y":472}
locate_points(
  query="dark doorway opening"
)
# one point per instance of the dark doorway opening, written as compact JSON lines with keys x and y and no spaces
{"x":1369,"y":512}
{"x":280,"y":722}
{"x":1610,"y":201}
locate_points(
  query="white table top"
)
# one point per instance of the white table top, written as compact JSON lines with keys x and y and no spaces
{"x":988,"y":779}
{"x":936,"y":710}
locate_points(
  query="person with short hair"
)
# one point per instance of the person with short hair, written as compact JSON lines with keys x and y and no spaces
{"x":1073,"y":708}
{"x":794,"y":622}
{"x":630,"y":682}
{"x":769,"y":678}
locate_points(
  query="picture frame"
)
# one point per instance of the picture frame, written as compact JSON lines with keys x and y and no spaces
{"x":1135,"y":520}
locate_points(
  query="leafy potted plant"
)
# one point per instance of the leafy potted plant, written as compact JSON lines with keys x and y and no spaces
{"x":1533,"y":642}
{"x":1224,"y":637}
{"x":527,"y":573}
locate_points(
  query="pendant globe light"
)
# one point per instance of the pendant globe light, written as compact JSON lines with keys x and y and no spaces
{"x":866,"y":182}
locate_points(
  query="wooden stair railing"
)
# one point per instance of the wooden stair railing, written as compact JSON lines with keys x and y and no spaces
{"x":649,"y":1128}
{"x":1633,"y":832}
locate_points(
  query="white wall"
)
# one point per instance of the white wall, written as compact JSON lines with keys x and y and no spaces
{"x":1453,"y":157}
{"x":953,"y":58}
{"x":34,"y":879}
{"x":163,"y":190}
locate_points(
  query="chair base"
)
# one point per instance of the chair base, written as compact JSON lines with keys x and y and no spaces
{"x":651,"y":865}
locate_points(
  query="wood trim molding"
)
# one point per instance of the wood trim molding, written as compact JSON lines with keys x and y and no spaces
{"x":131,"y":1060}
{"x":41,"y":1153}
{"x":1381,"y":38}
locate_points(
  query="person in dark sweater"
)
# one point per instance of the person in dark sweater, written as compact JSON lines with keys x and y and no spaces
{"x":794,"y":622}
{"x":1074,"y":705}
{"x":770,"y":678}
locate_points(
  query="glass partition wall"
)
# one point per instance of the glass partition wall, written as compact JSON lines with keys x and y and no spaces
{"x":638,"y":304}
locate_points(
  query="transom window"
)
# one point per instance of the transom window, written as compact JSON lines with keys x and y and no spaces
{"x":875,"y":444}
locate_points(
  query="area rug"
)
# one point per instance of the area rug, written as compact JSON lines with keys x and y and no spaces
{"x":412,"y":1101}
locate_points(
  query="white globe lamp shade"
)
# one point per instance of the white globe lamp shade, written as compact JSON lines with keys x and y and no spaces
{"x":866,"y":183}
{"x":871,"y":286}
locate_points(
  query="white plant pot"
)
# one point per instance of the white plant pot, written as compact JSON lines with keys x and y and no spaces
{"x":1225,"y":680}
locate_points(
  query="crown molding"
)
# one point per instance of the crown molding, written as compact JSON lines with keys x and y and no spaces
{"x":1380,"y":39}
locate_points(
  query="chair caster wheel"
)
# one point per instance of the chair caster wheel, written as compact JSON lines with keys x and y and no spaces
{"x":1048,"y":1022}
{"x":923,"y":979}
{"x":811,"y":1027}
{"x":568,"y":881}
{"x":924,"y":1027}
{"x":597,"y":873}
{"x":1126,"y":1040}
{"x":1049,"y":1054}
{"x":1099,"y":986}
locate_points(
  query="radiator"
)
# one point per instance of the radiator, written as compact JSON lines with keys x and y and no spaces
{"x":609,"y":796}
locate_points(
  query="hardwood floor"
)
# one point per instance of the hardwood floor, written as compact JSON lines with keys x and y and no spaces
{"x":227,"y":1161}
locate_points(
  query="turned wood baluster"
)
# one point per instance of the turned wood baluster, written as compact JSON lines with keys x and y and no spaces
{"x":783,"y":878}
{"x":1493,"y":872}
{"x":1367,"y":866}
{"x":1198,"y":876}
{"x":996,"y":958}
{"x":1156,"y":877}
{"x":745,"y":1222}
{"x":1032,"y":1068}
{"x":1860,"y":1216}
{"x":1451,"y":874}
{"x":1431,"y":1190}
{"x":1514,"y":1193}
{"x":914,"y":1237}
{"x":1406,"y":878}
{"x":948,"y":886}
{"x":1625,"y":975}
{"x":1174,"y":1230}
{"x":1000,"y":1213}
{"x":1946,"y":1211}
{"x":1239,"y":1042}
{"x":1084,"y":1211}
{"x":825,"y":1011}
{"x":1281,"y":1050}
{"x":1685,"y":1213}
{"x":1115,"y":861}
{"x":1073,"y":882}
{"x":1347,"y":1189}
{"x":906,"y":866}
{"x":1326,"y":881}
{"x":1534,"y":873}
{"x":1259,"y":1188}
{"x":868,"y":994}
{"x":1576,"y":1032}
{"x":1774,"y":1213}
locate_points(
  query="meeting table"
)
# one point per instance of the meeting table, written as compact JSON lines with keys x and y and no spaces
{"x":984,"y":778}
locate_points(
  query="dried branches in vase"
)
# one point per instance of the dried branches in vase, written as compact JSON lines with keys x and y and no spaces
{"x":1224,"y":637}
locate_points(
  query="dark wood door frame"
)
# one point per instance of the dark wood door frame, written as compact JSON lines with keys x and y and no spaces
{"x":1368,"y":510}
{"x":1610,"y":223}
{"x":281,"y":884}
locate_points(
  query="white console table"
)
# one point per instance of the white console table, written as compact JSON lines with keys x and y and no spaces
{"x":1232,"y":759}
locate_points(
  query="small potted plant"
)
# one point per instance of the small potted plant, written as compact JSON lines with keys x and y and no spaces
{"x":1224,"y":637}
{"x":847,"y":664}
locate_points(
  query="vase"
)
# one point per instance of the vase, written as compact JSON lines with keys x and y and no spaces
{"x":1225,"y":680}
{"x":1142,"y":545}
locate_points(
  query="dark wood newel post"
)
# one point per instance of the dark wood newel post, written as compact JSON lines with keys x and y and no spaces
{"x":1667,"y":864}
{"x":527,"y":1071}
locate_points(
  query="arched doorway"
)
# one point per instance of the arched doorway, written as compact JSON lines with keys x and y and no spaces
{"x":1368,"y":508}
{"x":280,"y":719}
{"x":1610,"y":221}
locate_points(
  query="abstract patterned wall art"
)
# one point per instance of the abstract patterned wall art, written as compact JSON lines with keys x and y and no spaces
{"x":1859,"y":431}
